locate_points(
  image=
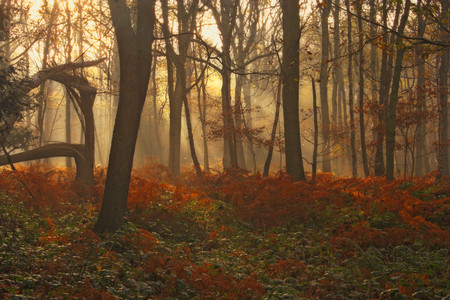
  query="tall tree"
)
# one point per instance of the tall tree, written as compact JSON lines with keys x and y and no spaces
{"x":291,"y":74}
{"x":421,"y":158}
{"x":379,"y":168}
{"x":362,"y":126}
{"x":225,"y":17}
{"x":135,"y":57}
{"x":68,"y":59}
{"x":350,"y":89}
{"x":326,"y":160}
{"x":186,"y":18}
{"x":337,"y":96}
{"x":392,"y":108}
{"x":443,"y":147}
{"x":245,"y":40}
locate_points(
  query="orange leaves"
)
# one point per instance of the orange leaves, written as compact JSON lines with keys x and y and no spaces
{"x":50,"y":187}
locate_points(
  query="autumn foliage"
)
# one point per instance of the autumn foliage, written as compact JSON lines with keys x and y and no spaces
{"x":224,"y":236}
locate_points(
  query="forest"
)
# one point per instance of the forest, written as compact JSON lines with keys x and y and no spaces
{"x":224,"y":149}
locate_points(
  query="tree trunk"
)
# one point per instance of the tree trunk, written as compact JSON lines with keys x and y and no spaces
{"x":290,"y":73}
{"x":249,"y":125}
{"x":68,"y":104}
{"x":226,"y":21}
{"x":385,"y":82}
{"x":316,"y":132}
{"x":201,"y":102}
{"x":326,"y":159}
{"x":392,"y":111}
{"x":177,"y":95}
{"x":155,"y":118}
{"x":337,"y":73}
{"x":362,"y":126}
{"x":443,"y":147}
{"x":238,"y":121}
{"x":420,"y":145}
{"x":273,"y":133}
{"x":135,"y":64}
{"x":230,"y":159}
{"x":350,"y":91}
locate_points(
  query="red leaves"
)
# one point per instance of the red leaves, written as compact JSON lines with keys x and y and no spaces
{"x":49,"y":187}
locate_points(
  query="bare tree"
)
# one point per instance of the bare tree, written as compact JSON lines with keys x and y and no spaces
{"x":392,"y":108}
{"x":135,"y":57}
{"x":186,"y":19}
{"x":224,"y":13}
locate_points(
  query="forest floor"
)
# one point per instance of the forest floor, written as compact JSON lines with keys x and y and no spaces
{"x":225,"y":236}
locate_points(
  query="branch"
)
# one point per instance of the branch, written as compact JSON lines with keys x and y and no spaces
{"x":421,"y":40}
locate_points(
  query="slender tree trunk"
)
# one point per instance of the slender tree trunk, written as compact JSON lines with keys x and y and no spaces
{"x":226,"y":19}
{"x":186,"y":25}
{"x":238,"y":121}
{"x":201,"y":101}
{"x":274,"y":132}
{"x":176,"y":106}
{"x":392,"y":111}
{"x":155,"y":118}
{"x":443,"y":146}
{"x":249,"y":124}
{"x":336,"y":61}
{"x":68,"y":104}
{"x":80,"y":57}
{"x":326,"y":158}
{"x":316,"y":132}
{"x":350,"y":91}
{"x":290,"y":73}
{"x":335,"y":96}
{"x":197,"y":167}
{"x":361,"y":93}
{"x":374,"y":64}
{"x":385,"y":80}
{"x":420,"y":145}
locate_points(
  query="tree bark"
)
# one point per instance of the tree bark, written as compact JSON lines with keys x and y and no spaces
{"x":316,"y":132}
{"x":273,"y":133}
{"x":238,"y":121}
{"x":135,"y":64}
{"x":290,"y":73}
{"x":326,"y":158}
{"x":350,"y":91}
{"x":443,"y":147}
{"x":337,"y":74}
{"x":68,"y":102}
{"x":362,"y":126}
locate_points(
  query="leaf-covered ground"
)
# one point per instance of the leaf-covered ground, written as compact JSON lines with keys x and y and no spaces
{"x":227,"y":236}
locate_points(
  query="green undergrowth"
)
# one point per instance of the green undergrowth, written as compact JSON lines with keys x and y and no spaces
{"x":179,"y":243}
